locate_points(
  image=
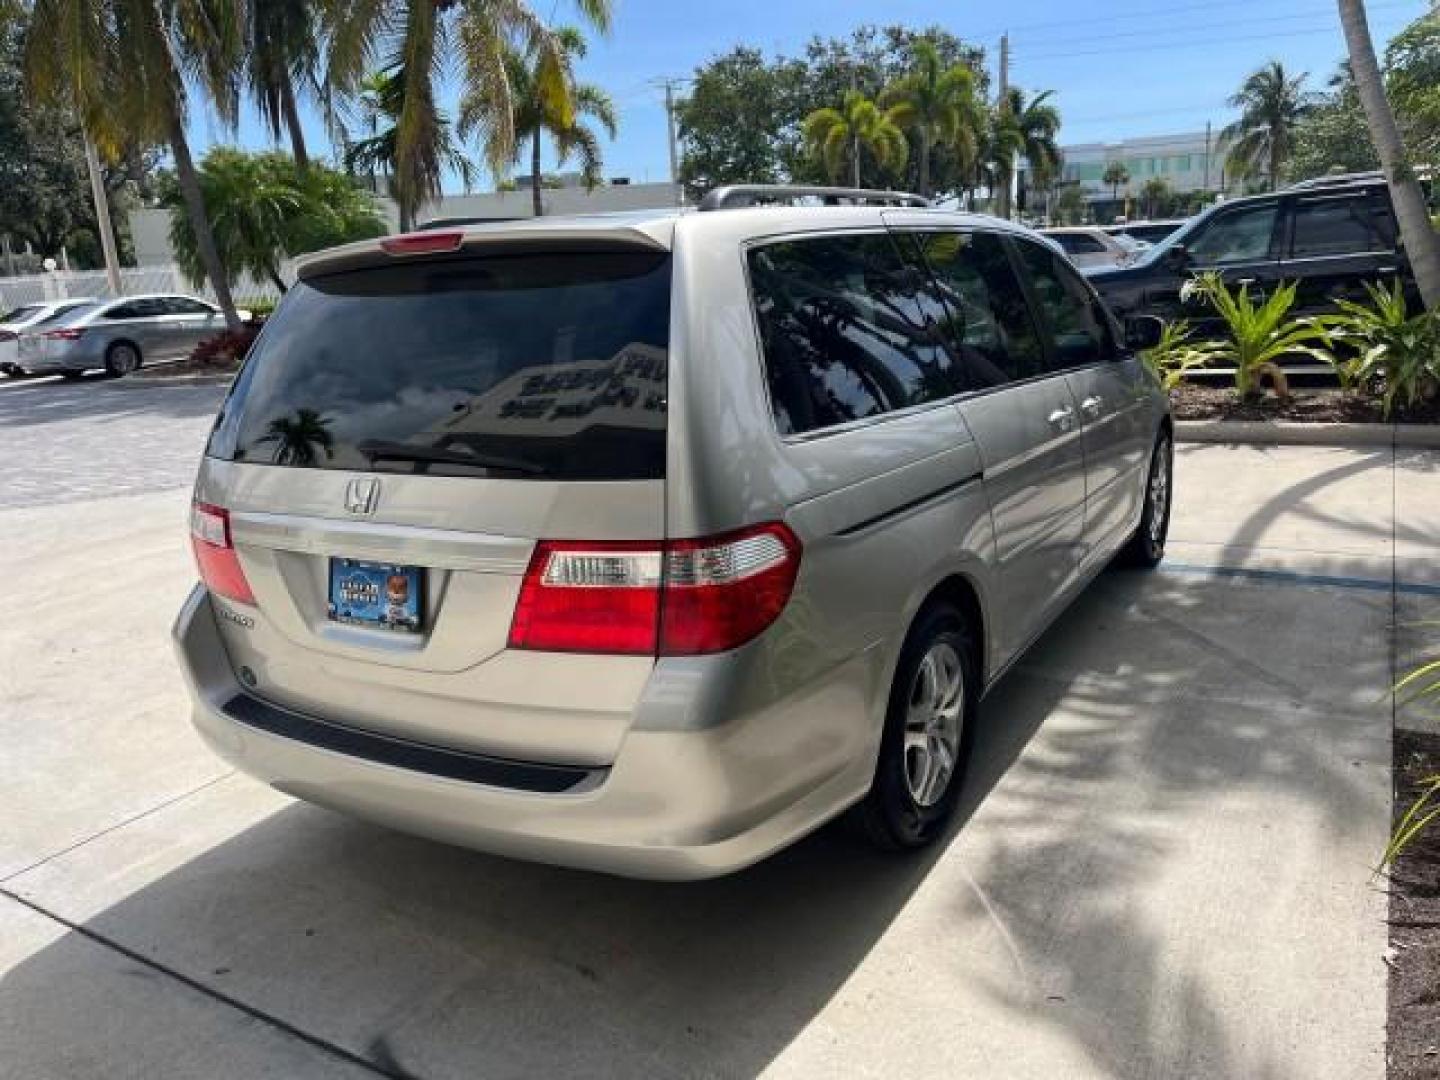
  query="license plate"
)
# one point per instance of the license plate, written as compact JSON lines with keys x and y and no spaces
{"x":381,"y":595}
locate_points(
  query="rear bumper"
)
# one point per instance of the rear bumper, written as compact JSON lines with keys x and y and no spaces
{"x":674,"y":804}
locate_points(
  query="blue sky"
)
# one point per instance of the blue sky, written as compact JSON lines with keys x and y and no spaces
{"x":1120,"y":68}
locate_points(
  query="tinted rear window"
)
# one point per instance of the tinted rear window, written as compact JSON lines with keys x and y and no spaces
{"x":540,"y":365}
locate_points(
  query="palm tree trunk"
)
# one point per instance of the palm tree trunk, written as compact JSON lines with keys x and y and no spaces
{"x":189,"y":183}
{"x":538,"y":206}
{"x":924,"y":165}
{"x":292,"y":122}
{"x":1421,"y":243}
{"x":855,"y":155}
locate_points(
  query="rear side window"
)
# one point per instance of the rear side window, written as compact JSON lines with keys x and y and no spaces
{"x":850,"y":330}
{"x":524,"y":366}
{"x":1344,"y":226}
{"x":1077,"y":326}
{"x":990,"y":320}
{"x":1235,"y":236}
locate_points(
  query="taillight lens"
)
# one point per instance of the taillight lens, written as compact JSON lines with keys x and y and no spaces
{"x":63,"y":335}
{"x":215,"y":554}
{"x":678,"y":598}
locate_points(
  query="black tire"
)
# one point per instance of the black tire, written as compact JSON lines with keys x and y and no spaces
{"x":122,"y":359}
{"x":1146,"y":547}
{"x":891,"y":817}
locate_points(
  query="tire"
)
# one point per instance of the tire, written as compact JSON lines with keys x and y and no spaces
{"x":121,"y":359}
{"x":1146,"y":547}
{"x":908,"y":806}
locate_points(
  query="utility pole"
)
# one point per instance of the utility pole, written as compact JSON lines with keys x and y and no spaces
{"x":1008,"y":198}
{"x":1205,"y":187}
{"x":102,"y":216}
{"x":670,"y":131}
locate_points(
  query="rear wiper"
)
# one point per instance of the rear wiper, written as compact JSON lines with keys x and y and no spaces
{"x":378,"y":450}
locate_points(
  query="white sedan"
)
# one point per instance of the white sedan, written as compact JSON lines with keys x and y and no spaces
{"x":1094,"y":247}
{"x":28,"y":317}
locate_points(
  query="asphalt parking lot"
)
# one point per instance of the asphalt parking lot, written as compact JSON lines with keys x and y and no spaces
{"x":1162,"y":867}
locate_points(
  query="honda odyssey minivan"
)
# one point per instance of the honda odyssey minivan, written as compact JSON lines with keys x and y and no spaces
{"x":648,"y":543}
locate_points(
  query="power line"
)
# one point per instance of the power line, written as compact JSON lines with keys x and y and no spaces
{"x":1328,"y":18}
{"x":1186,"y":43}
{"x":1128,"y":16}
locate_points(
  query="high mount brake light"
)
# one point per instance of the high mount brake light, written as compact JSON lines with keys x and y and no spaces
{"x":677,"y":598}
{"x":422,"y":243}
{"x":215,"y":553}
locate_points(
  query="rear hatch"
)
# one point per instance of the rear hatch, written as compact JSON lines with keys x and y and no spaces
{"x":405,"y":430}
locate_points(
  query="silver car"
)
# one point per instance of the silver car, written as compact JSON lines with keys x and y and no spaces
{"x":119,"y":335}
{"x":649,"y":543}
{"x":29,"y":318}
{"x":1088,"y":247}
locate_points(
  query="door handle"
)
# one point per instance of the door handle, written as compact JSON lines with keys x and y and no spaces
{"x":1387,"y":270}
{"x":1093,"y":405}
{"x":1063,"y":419}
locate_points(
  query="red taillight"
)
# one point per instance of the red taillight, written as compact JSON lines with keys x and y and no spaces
{"x":422,"y":243}
{"x":63,"y":335}
{"x":678,"y":598}
{"x":215,"y":554}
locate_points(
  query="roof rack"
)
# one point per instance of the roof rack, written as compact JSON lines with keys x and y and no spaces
{"x":1335,"y":180}
{"x":732,"y":196}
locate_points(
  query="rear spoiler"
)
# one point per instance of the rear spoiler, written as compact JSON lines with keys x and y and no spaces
{"x":532,"y":234}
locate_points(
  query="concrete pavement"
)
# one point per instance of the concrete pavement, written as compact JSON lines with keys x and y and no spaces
{"x":1163,"y":868}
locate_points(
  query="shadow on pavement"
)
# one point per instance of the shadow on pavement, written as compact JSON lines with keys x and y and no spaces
{"x":30,"y":403}
{"x":1166,"y":696}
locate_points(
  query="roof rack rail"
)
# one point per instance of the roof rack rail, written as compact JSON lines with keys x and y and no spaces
{"x":1335,"y":180}
{"x":731,"y":196}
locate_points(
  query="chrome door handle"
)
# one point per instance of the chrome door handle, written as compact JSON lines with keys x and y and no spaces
{"x":1387,"y":270}
{"x":1092,"y":406}
{"x":1064,"y":419}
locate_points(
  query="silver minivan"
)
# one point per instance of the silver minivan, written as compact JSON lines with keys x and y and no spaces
{"x":649,"y":543}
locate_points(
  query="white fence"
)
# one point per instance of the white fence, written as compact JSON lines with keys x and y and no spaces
{"x":31,"y":288}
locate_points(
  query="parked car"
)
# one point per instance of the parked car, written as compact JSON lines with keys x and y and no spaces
{"x":650,"y":542}
{"x":1087,"y":246}
{"x":30,"y":317}
{"x":1330,"y":238}
{"x":120,"y":335}
{"x":1148,"y":233}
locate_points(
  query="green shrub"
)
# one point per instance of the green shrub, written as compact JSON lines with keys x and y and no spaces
{"x":1177,"y":353}
{"x":1388,"y":350}
{"x":1257,"y":335}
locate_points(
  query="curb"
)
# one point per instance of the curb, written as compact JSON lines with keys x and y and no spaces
{"x":177,"y":380}
{"x":1283,"y":433}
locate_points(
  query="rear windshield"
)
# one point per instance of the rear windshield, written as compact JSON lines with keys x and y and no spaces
{"x":524,"y":366}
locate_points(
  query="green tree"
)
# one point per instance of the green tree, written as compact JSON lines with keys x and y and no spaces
{"x":411,"y":182}
{"x":1333,"y":137}
{"x":538,"y":114}
{"x":1026,"y":129}
{"x":282,"y":51}
{"x":1117,"y":176}
{"x":1412,"y":80}
{"x":1272,"y":103}
{"x":265,"y":208}
{"x":1070,"y":205}
{"x":733,"y":122}
{"x":937,"y":105}
{"x":124,"y":67}
{"x":1157,"y":197}
{"x":419,"y":42}
{"x":838,"y":136}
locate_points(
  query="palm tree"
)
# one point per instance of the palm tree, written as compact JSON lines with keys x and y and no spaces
{"x":420,"y":41}
{"x":1272,"y":103}
{"x":414,"y":181}
{"x":1115,"y":175}
{"x":1155,"y":196}
{"x":938,"y":105}
{"x":298,"y":439}
{"x":1028,"y":130}
{"x":124,"y":65}
{"x":1420,"y":240}
{"x":281,"y":52}
{"x":538,"y":113}
{"x":859,"y":124}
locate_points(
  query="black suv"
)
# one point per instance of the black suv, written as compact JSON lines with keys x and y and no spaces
{"x":1329,"y":235}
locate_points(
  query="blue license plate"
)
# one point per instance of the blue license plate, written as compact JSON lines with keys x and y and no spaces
{"x":377,"y":594}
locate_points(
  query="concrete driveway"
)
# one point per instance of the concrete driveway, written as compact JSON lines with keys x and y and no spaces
{"x":1162,"y":869}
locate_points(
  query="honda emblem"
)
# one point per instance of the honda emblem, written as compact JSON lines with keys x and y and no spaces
{"x":361,"y":495}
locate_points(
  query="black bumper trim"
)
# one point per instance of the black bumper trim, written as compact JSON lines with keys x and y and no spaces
{"x":402,"y":753}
